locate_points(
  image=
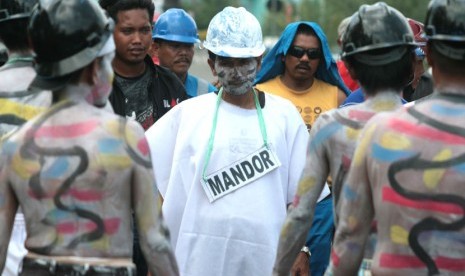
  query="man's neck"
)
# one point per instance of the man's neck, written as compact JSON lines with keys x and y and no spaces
{"x":128,"y":70}
{"x":448,"y":83}
{"x":182,"y":77}
{"x":245,"y":101}
{"x":296,"y":85}
{"x":74,"y":92}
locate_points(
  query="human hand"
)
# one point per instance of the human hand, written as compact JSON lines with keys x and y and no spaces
{"x":301,"y":266}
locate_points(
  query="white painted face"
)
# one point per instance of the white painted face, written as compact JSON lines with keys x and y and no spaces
{"x":236,"y":74}
{"x":101,"y":90}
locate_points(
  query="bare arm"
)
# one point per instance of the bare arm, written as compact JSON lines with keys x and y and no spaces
{"x":300,"y":216}
{"x":356,"y":212}
{"x":154,"y":235}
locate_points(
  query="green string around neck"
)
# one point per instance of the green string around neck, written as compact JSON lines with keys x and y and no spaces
{"x":211,"y":140}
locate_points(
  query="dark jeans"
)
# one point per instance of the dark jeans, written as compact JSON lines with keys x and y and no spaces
{"x":319,"y":238}
{"x":40,"y":267}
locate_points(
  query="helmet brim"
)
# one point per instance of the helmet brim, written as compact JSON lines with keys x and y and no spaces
{"x":50,"y":84}
{"x":177,"y":38}
{"x":77,"y":61}
{"x":235,"y":52}
{"x":57,"y":83}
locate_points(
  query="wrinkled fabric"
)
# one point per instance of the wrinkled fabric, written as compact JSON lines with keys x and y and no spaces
{"x":238,"y":233}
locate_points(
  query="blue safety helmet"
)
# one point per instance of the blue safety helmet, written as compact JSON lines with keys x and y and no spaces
{"x":176,"y":25}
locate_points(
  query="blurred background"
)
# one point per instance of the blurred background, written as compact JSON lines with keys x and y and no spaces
{"x":274,"y":15}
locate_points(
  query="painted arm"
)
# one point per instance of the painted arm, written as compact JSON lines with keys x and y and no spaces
{"x":154,"y":235}
{"x":356,"y":212}
{"x":300,"y":216}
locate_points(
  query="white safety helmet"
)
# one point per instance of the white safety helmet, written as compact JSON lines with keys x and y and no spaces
{"x":236,"y":33}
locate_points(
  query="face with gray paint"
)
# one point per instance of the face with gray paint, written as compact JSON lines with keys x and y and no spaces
{"x":236,"y":74}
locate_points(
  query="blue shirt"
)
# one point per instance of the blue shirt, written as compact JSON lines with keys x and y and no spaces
{"x":357,"y":97}
{"x":196,"y":86}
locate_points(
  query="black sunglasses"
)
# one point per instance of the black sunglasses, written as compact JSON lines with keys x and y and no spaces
{"x":299,"y":52}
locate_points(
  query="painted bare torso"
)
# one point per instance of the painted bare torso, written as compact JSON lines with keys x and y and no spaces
{"x":407,"y":174}
{"x":333,"y":139}
{"x":78,"y":172}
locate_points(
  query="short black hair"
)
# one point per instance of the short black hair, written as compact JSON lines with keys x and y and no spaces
{"x":13,"y":34}
{"x":115,"y":6}
{"x":445,"y":64}
{"x":392,"y":76}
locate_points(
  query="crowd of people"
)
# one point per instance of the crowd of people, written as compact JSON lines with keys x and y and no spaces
{"x":291,"y":163}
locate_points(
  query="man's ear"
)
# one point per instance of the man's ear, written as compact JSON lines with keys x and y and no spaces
{"x":428,"y":55}
{"x":211,"y":63}
{"x":90,"y":73}
{"x":154,"y":50}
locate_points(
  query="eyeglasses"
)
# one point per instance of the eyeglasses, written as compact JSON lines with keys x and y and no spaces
{"x":299,"y":52}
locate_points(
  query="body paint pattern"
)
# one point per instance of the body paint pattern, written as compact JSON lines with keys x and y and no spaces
{"x":447,"y":132}
{"x":37,"y":190}
{"x":333,"y":138}
{"x":52,"y":171}
{"x":19,"y":107}
{"x":410,"y":178}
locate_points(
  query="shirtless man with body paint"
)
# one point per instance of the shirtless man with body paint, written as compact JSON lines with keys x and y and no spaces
{"x":408,"y":170}
{"x":18,"y":104}
{"x":334,"y":136}
{"x":78,"y":171}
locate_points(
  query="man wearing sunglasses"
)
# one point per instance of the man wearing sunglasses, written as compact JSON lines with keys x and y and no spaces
{"x":300,"y":68}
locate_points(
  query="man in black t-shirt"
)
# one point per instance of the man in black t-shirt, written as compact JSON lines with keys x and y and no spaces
{"x":141,"y":90}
